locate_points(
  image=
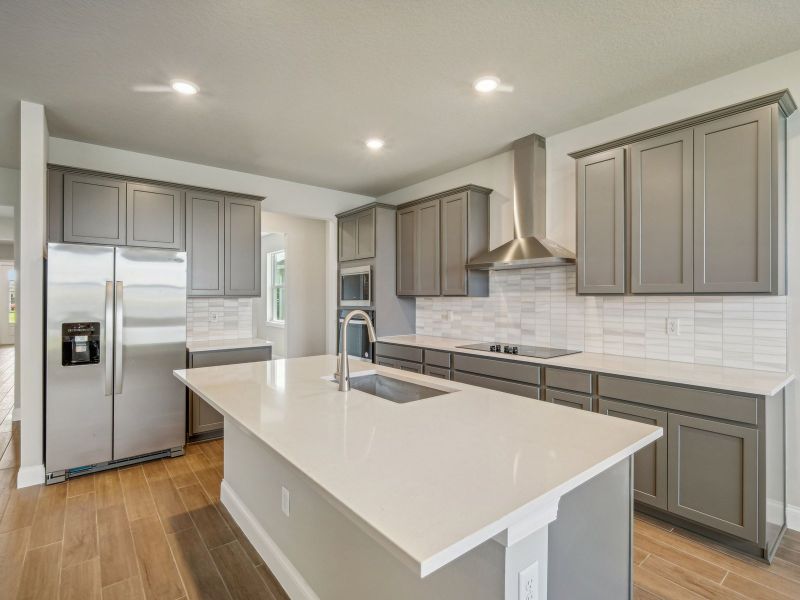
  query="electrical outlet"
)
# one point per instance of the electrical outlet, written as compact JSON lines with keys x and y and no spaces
{"x":214,"y":316}
{"x":673,"y":327}
{"x":529,"y":582}
{"x":447,"y":315}
{"x":285,"y":501}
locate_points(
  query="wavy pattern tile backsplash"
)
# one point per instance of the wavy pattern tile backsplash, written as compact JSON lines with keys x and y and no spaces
{"x":540,"y":306}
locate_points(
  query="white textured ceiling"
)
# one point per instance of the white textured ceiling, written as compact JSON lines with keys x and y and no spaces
{"x":291,"y":88}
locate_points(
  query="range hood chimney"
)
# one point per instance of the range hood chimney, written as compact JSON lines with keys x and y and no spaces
{"x":530,"y":246}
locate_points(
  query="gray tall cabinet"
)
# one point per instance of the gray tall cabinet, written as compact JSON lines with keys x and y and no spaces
{"x":437,"y":236}
{"x":696,"y":206}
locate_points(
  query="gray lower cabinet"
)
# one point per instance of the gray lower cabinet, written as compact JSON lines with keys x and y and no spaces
{"x":571,"y":399}
{"x":242,"y":247}
{"x":650,"y":474}
{"x":737,"y":224}
{"x":94,"y":209}
{"x":204,"y":420}
{"x":155,"y":216}
{"x":508,"y":376}
{"x":357,"y":235}
{"x":713,"y":474}
{"x":662,"y":218}
{"x":440,"y":372}
{"x":205,"y":244}
{"x":396,"y":363}
{"x":601,"y":223}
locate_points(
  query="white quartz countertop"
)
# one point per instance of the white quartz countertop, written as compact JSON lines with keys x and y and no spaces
{"x":745,"y":381}
{"x":209,"y":345}
{"x":430,"y":479}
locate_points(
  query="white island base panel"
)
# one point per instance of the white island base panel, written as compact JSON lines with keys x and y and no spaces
{"x":319,"y":552}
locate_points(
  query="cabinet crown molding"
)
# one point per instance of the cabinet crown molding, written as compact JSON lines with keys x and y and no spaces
{"x":782,"y":98}
{"x":464,"y":188}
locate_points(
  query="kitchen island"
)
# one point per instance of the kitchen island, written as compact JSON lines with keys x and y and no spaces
{"x":469,"y":494}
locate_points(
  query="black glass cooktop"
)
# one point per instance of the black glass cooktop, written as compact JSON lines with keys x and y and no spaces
{"x":532,"y":351}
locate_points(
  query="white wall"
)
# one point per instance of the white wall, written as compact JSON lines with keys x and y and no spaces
{"x":308,"y":315}
{"x":29,"y":330}
{"x":280,"y":196}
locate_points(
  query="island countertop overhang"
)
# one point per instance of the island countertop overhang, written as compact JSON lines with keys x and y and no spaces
{"x":431,"y":479}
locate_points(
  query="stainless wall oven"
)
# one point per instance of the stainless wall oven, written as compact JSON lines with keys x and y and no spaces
{"x":358,"y":343}
{"x":355,"y":286}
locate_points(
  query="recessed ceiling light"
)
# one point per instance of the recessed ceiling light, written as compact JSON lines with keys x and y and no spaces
{"x":187,"y":88}
{"x":486,"y":84}
{"x":374,"y":143}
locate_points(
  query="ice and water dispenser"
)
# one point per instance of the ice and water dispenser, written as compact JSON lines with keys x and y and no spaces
{"x":80,"y":344}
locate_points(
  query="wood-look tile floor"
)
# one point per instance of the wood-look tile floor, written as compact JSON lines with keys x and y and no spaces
{"x":158,"y":531}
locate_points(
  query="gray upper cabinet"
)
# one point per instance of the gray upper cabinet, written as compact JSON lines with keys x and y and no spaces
{"x":155,"y":216}
{"x":437,"y":237}
{"x":406,"y":251}
{"x":426,"y":262}
{"x":662,"y":218}
{"x":713,"y":477}
{"x":357,"y":235}
{"x":601,"y":223}
{"x":205,"y":243}
{"x":94,"y":209}
{"x":736,"y":220}
{"x":242,"y":247}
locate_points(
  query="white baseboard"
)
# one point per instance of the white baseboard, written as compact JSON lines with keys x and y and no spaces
{"x":28,"y":476}
{"x":16,"y":414}
{"x":289,"y":577}
{"x":793,"y":517}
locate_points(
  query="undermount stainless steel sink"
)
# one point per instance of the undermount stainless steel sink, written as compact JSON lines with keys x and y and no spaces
{"x":395,"y":390}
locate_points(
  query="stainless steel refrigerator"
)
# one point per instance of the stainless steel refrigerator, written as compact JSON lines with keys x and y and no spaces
{"x":116,"y":329}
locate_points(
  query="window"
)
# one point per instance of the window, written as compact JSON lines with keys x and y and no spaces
{"x":276,"y":292}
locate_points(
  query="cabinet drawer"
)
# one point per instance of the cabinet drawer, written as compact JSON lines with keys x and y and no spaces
{"x":437,"y":358}
{"x":576,"y":381}
{"x":501,"y":385}
{"x":702,"y":402}
{"x":213,"y":358}
{"x":440,"y":372}
{"x":581,"y":401}
{"x":401,"y":352}
{"x":521,"y":372}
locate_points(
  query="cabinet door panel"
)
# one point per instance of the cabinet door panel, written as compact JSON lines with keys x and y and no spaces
{"x":454,"y":245}
{"x":348,"y":238}
{"x":94,"y":210}
{"x":733,"y":203}
{"x":650,"y":472}
{"x":713,"y":474}
{"x":242,"y":247}
{"x":406,"y":251}
{"x":579,"y":401}
{"x":427,"y":263}
{"x":205,"y":418}
{"x":155,"y":216}
{"x":439,"y":372}
{"x":205,"y":244}
{"x":662,"y":214}
{"x":365,"y":232}
{"x":601,"y":223}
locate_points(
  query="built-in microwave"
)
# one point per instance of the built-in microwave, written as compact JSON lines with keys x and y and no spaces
{"x":355,"y":286}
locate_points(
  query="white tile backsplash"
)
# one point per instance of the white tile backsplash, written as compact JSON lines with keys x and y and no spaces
{"x":540,"y":307}
{"x":235,"y":319}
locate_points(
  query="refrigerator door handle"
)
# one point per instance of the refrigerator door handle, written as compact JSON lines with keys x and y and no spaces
{"x":118,"y":328}
{"x":108,"y":329}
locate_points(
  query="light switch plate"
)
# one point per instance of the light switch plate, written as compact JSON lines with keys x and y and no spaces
{"x":529,"y":582}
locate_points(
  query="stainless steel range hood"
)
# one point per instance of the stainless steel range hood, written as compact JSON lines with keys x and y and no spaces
{"x":530,"y":246}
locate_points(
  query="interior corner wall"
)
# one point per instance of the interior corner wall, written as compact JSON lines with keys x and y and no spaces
{"x":30,"y":283}
{"x":306,"y":306}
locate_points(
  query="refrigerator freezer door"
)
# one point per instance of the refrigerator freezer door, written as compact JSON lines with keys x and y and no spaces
{"x":78,"y":397}
{"x":149,"y":403}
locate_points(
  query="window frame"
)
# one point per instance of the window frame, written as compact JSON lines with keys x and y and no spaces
{"x":272,"y":260}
